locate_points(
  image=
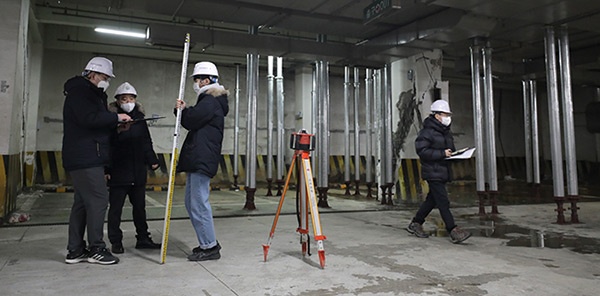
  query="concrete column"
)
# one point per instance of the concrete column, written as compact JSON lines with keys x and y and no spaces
{"x":14,"y":63}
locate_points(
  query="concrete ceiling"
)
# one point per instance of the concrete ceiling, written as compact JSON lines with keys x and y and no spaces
{"x":335,"y":30}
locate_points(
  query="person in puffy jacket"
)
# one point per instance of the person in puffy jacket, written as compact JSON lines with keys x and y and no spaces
{"x":87,"y":126}
{"x":434,"y":144}
{"x":201,"y":154}
{"x":131,"y":157}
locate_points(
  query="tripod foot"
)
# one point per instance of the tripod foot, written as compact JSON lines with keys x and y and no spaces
{"x":322,"y":258}
{"x":265,"y":251}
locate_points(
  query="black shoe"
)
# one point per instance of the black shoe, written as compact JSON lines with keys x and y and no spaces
{"x":199,"y":254}
{"x":416,"y":229}
{"x":458,"y":235}
{"x":102,"y":256}
{"x":77,"y":256}
{"x":117,"y":248}
{"x":145,"y":242}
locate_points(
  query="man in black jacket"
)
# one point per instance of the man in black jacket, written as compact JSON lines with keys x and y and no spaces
{"x":131,"y":156}
{"x":201,"y":153}
{"x":87,"y":126}
{"x":433,"y":145}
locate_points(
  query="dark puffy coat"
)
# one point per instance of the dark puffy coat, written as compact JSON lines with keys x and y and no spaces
{"x":205,"y":122}
{"x":431,"y":144}
{"x":131,"y":151}
{"x":87,"y":125}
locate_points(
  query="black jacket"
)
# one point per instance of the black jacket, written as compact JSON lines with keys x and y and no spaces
{"x":205,"y":122}
{"x":431,"y":144}
{"x":87,"y":125}
{"x":131,"y":150}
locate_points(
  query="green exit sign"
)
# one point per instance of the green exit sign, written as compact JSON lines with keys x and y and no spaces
{"x":379,"y":8}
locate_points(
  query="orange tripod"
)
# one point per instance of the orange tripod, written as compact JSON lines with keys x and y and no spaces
{"x":302,"y":143}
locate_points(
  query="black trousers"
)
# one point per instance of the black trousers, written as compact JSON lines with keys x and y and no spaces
{"x":89,"y":208}
{"x":437,"y":197}
{"x":137,"y":198}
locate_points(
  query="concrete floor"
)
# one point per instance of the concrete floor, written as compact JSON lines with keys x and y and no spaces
{"x":368,"y":252}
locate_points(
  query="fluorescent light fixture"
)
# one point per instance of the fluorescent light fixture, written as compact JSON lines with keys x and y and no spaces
{"x":120,"y":32}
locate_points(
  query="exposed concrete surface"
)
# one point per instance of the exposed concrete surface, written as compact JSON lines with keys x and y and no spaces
{"x":367,"y":253}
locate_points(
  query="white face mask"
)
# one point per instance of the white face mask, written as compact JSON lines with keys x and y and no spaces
{"x":446,"y":120}
{"x":103,"y":85}
{"x":127,"y":107}
{"x":196,"y":87}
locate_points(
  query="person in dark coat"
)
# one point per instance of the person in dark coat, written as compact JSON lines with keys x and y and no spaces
{"x":87,"y":126}
{"x":201,"y":154}
{"x":131,"y":157}
{"x":433,"y":145}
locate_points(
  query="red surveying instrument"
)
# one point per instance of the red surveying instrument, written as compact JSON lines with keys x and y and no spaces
{"x":302,"y":143}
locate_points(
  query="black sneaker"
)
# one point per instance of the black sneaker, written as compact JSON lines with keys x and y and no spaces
{"x":416,"y":229}
{"x":77,"y":256}
{"x":199,"y":254}
{"x":145,"y":242}
{"x":117,"y":248}
{"x":458,"y":235}
{"x":102,"y":256}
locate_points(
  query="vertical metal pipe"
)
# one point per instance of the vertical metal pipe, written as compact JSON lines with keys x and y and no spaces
{"x":389,"y":166}
{"x":478,"y":124}
{"x":236,"y":128}
{"x":554,"y":115}
{"x":324,"y":131}
{"x":490,"y":119}
{"x":554,"y":118}
{"x":380,"y":131}
{"x":280,"y":121}
{"x":527,"y":129}
{"x":315,"y":120}
{"x":356,"y":131}
{"x":368,"y":98}
{"x":270,"y":89}
{"x":567,"y":106}
{"x":347,"y":128}
{"x":535,"y":140}
{"x":319,"y":121}
{"x":252,"y":86}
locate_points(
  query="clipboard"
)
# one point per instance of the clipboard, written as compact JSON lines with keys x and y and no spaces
{"x":146,"y":119}
{"x":464,"y":153}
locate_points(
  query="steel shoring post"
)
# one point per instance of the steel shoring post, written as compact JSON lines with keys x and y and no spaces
{"x":478,"y":124}
{"x":535,"y":143}
{"x":174,"y":153}
{"x":490,"y":127}
{"x":356,"y":132}
{"x":324,"y":167}
{"x":527,"y":131}
{"x":369,"y":151}
{"x":252,"y":86}
{"x":347,"y":129}
{"x":236,"y":128}
{"x":568,"y":125}
{"x":280,"y":125}
{"x":270,"y":87}
{"x":389,"y":166}
{"x":554,"y":119}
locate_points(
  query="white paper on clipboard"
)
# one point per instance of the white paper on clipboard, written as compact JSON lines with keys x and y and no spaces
{"x":464,"y":153}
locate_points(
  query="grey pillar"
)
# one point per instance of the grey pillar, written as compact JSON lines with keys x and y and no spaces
{"x":369,"y":150}
{"x":270,"y":90}
{"x":347,"y":129}
{"x":236,"y":129}
{"x":478,"y":124}
{"x":356,"y":132}
{"x":251,"y":128}
{"x":490,"y":128}
{"x":280,"y":126}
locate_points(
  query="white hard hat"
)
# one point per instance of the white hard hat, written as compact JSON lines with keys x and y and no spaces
{"x":205,"y":68}
{"x":100,"y":65}
{"x":125,"y":89}
{"x":440,"y":106}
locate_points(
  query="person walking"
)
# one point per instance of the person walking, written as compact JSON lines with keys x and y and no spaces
{"x":87,"y":126}
{"x":131,"y":156}
{"x":434,"y":144}
{"x":201,"y":154}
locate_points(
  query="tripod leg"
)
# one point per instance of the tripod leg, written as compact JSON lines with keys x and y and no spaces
{"x":314,"y":210}
{"x":272,"y":233}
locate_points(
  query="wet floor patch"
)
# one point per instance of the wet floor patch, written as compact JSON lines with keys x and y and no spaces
{"x":518,"y":236}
